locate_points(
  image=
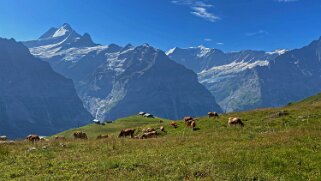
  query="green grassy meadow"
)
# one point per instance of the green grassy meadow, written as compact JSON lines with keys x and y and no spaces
{"x":269,"y":147}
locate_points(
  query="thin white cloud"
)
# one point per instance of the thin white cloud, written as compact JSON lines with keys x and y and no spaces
{"x":286,"y":1}
{"x":199,"y":8}
{"x":208,"y":39}
{"x":219,"y":43}
{"x":257,"y":33}
{"x":203,"y":13}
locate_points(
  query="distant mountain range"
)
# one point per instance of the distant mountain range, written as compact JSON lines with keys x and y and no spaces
{"x":252,"y":79}
{"x":34,"y":98}
{"x":230,"y":77}
{"x":115,"y":81}
{"x":292,"y":76}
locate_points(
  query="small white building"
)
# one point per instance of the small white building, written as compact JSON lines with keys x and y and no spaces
{"x":141,"y":113}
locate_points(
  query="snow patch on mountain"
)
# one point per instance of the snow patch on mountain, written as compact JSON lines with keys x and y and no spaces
{"x":170,"y":51}
{"x":114,"y":63}
{"x":203,"y":51}
{"x":234,"y":67}
{"x":60,"y":32}
{"x":216,"y":74}
{"x":71,"y":54}
{"x":278,"y":52}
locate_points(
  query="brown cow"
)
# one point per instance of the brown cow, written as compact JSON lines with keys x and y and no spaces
{"x":126,"y":132}
{"x":152,"y":134}
{"x":161,"y":121}
{"x":188,"y":118}
{"x":60,"y":138}
{"x":174,"y":124}
{"x":137,"y":137}
{"x":162,"y":128}
{"x":212,"y":114}
{"x":33,"y":138}
{"x":148,"y":130}
{"x":80,"y":135}
{"x":193,"y":125}
{"x":235,"y":121}
{"x":188,"y":123}
{"x":102,"y":136}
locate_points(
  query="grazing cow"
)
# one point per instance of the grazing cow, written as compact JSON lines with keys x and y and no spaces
{"x":102,"y":136}
{"x":3,"y":138}
{"x":60,"y":138}
{"x":174,"y":124}
{"x":188,"y":123}
{"x":212,"y":114}
{"x":188,"y":118}
{"x":152,"y":134}
{"x":148,"y":130}
{"x":126,"y":132}
{"x":80,"y":135}
{"x":137,"y":137}
{"x":235,"y":121}
{"x":162,"y":129}
{"x":161,"y":121}
{"x":33,"y":138}
{"x":193,"y":125}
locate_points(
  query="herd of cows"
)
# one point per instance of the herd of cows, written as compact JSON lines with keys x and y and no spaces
{"x":146,"y":133}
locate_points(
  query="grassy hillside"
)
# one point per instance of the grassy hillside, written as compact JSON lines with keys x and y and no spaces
{"x":112,"y":129}
{"x":272,"y":146}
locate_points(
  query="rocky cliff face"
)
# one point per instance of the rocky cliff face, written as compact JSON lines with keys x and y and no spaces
{"x":116,"y":81}
{"x":33,"y":98}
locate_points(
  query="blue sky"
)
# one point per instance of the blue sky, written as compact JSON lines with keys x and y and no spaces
{"x":229,"y":25}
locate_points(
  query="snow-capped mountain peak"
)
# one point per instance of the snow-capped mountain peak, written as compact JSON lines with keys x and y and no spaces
{"x":200,"y":51}
{"x":278,"y":52}
{"x":146,"y":45}
{"x":110,"y":78}
{"x":203,"y":51}
{"x":202,"y":47}
{"x":63,"y":30}
{"x":127,"y":47}
{"x":231,"y":77}
{"x":63,"y":41}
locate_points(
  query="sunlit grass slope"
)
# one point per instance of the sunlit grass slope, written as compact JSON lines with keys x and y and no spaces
{"x":275,"y":144}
